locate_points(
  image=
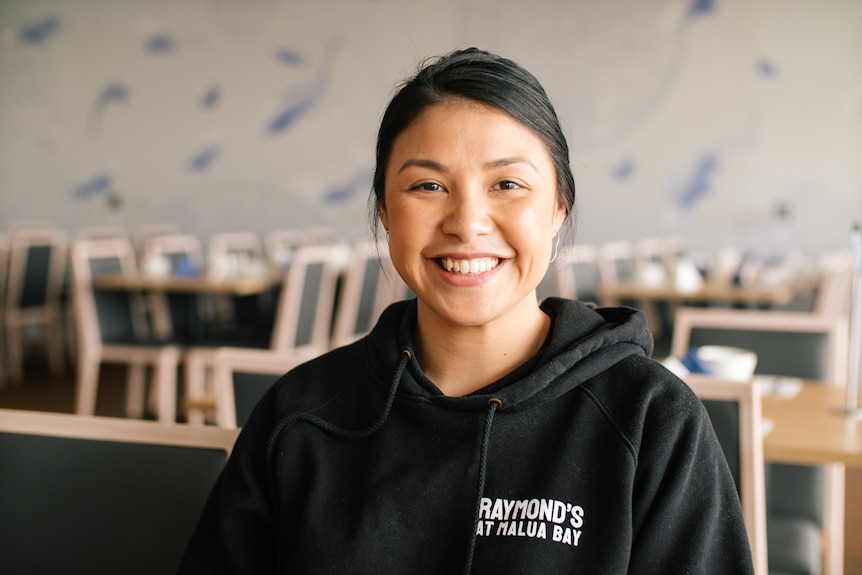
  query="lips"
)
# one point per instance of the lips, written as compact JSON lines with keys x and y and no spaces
{"x":469,"y":266}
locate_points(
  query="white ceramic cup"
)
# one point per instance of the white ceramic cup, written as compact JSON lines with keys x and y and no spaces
{"x":725,"y":362}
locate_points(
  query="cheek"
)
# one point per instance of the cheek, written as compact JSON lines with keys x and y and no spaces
{"x":532,"y":228}
{"x":406,"y":233}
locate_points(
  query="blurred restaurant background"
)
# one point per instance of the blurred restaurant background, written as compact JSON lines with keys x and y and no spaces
{"x":184,"y":193}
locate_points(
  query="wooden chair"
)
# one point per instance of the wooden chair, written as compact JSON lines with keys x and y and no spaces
{"x":805,"y":503}
{"x":280,"y":244}
{"x":231,"y":254}
{"x":832,"y":293}
{"x":110,"y":331}
{"x":370,"y":284}
{"x":620,"y":261}
{"x":616,"y":262}
{"x":242,"y":376}
{"x":102,"y":231}
{"x":575,"y":273}
{"x":302,"y":326}
{"x":36,"y":273}
{"x":102,"y":495}
{"x":142,"y":234}
{"x":185,"y":255}
{"x":246,"y":244}
{"x":735,"y":411}
{"x":184,"y":251}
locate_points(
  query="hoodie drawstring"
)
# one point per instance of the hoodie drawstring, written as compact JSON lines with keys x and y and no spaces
{"x":288,"y":420}
{"x":493,"y":405}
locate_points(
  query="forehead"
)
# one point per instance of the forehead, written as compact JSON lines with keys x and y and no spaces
{"x":454,"y":127}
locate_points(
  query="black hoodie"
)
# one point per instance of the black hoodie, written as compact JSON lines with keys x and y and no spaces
{"x":591,"y":458}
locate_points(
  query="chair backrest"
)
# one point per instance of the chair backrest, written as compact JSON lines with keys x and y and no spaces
{"x":184,"y":251}
{"x":833,"y":287}
{"x":307,"y":300}
{"x":240,"y":243}
{"x":280,"y":244}
{"x":37,"y":267}
{"x":102,"y":495}
{"x":104,"y":231}
{"x":616,"y":261}
{"x":103,"y":316}
{"x":242,"y":376}
{"x":795,"y":344}
{"x":734,"y":409}
{"x":144,"y":232}
{"x":370,"y":285}
{"x":575,"y":273}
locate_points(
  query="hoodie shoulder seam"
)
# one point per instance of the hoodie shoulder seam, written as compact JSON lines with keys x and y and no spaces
{"x":610,"y":418}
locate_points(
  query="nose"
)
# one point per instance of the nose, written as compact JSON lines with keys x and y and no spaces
{"x":468,"y":215}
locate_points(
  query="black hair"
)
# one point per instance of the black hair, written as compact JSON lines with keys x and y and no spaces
{"x":482,"y":77}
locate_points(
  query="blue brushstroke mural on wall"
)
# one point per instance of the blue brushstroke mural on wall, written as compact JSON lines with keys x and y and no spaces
{"x":99,"y":184}
{"x":360,"y":184}
{"x":699,"y":183}
{"x":290,"y":58}
{"x":624,"y":170}
{"x":699,"y":7}
{"x":766,"y":68}
{"x":39,"y":32}
{"x":203,"y":159}
{"x":303,"y":99}
{"x":211,"y":98}
{"x":110,"y":95}
{"x":160,"y":44}
{"x":159,"y":105}
{"x":286,"y":117}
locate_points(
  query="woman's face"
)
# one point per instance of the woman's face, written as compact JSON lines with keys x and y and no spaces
{"x":471,"y":207}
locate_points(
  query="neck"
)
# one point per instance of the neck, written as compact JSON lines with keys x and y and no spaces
{"x":462,"y":359}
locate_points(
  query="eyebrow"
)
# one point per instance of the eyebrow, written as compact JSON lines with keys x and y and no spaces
{"x":431,"y":164}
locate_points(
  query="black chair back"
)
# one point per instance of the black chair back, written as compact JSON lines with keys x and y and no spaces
{"x":75,"y":504}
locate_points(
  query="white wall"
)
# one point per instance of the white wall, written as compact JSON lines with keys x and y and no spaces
{"x":692,"y":117}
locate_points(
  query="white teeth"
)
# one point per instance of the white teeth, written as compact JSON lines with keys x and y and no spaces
{"x":476,"y":266}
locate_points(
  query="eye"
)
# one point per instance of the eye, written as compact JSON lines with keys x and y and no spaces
{"x":427,"y":187}
{"x":507,"y":185}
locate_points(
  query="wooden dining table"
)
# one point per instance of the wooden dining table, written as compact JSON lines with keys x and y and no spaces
{"x":758,"y":294}
{"x":238,"y":285}
{"x":186,"y":288}
{"x":812,"y":426}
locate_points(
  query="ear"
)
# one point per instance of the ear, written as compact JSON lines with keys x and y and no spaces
{"x":384,"y":216}
{"x":559,"y":216}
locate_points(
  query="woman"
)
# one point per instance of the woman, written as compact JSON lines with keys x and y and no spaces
{"x":474,"y":430}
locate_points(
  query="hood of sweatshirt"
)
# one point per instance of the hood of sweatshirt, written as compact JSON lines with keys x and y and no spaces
{"x":584,"y":341}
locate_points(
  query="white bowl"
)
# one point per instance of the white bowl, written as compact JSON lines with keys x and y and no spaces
{"x":725,"y":362}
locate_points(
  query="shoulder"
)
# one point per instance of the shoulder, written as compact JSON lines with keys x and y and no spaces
{"x":646,"y":401}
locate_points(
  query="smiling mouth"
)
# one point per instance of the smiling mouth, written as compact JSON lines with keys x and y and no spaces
{"x":468,"y":267}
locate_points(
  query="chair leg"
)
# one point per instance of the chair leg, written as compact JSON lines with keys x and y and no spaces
{"x":225,"y":401}
{"x":88,"y":383}
{"x":136,"y":390}
{"x":54,"y":342}
{"x":165,"y":376}
{"x":195,"y":379}
{"x":14,"y":353}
